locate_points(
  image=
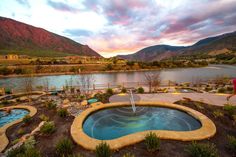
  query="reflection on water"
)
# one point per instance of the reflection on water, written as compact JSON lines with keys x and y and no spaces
{"x":178,"y":75}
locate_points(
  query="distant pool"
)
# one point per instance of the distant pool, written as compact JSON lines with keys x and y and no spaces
{"x":14,"y":115}
{"x":116,"y":122}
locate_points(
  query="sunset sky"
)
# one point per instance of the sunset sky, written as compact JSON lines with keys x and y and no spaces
{"x":113,"y":27}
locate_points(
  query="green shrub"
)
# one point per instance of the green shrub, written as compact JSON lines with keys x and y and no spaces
{"x":230,"y":89}
{"x":51,"y":105}
{"x":48,"y":128}
{"x":218,"y":113}
{"x":103,"y":150}
{"x":43,"y":117}
{"x":14,"y":152}
{"x":202,"y":150}
{"x":30,"y":142}
{"x":102,"y":97}
{"x":128,"y":155}
{"x":62,"y":112}
{"x":140,"y":90}
{"x":230,"y":109}
{"x":123,"y":90}
{"x":232,"y":143}
{"x":64,"y":147}
{"x":75,"y":155}
{"x":20,"y":131}
{"x":110,"y":91}
{"x":221,"y":90}
{"x":31,"y":152}
{"x":27,"y":119}
{"x":152,"y":142}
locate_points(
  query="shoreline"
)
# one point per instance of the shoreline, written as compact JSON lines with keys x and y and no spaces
{"x":87,"y":72}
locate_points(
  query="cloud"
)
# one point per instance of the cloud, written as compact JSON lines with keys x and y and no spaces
{"x":60,"y":6}
{"x":24,"y":3}
{"x":124,"y":26}
{"x":77,"y":32}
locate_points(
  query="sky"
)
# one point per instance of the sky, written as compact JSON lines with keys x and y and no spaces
{"x":113,"y":27}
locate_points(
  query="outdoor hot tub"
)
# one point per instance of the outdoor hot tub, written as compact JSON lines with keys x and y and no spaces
{"x":119,"y":126}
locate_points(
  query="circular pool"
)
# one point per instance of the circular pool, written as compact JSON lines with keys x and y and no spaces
{"x":15,"y":114}
{"x":116,"y":122}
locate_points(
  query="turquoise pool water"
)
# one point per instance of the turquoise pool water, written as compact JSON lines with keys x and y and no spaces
{"x":90,"y":101}
{"x":116,"y":122}
{"x":14,"y":115}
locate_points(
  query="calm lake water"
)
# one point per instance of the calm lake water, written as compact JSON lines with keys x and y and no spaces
{"x":178,"y":75}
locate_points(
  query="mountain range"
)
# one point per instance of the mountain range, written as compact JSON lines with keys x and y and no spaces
{"x":209,"y":46}
{"x":20,"y":38}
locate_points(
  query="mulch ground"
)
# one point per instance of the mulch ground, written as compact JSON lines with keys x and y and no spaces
{"x":46,"y":144}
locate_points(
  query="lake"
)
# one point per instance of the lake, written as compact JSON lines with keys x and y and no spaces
{"x":178,"y":75}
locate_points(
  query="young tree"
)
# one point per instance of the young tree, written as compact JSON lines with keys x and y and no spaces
{"x":153,"y":80}
{"x":85,"y":83}
{"x":28,"y":86}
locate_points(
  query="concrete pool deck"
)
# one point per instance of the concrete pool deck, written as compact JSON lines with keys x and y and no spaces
{"x":209,"y":98}
{"x":207,"y":130}
{"x":4,"y":140}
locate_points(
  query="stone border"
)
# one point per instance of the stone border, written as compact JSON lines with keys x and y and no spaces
{"x":207,"y":130}
{"x":4,"y":140}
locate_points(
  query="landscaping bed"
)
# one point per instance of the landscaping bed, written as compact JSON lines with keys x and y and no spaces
{"x":226,"y":125}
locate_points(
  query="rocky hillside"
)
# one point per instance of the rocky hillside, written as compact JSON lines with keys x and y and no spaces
{"x":20,"y":38}
{"x":209,"y":46}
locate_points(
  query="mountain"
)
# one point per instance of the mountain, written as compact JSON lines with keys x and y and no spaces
{"x":24,"y":39}
{"x":209,"y":46}
{"x":157,"y":52}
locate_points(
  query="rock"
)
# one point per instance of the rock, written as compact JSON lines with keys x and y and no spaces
{"x":66,"y":101}
{"x":84,"y":103}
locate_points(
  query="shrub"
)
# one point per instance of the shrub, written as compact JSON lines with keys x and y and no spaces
{"x":48,"y":128}
{"x":230,"y":109}
{"x":102,"y":97}
{"x":64,"y":147}
{"x":221,"y":90}
{"x":43,"y":117}
{"x":109,"y":91}
{"x":51,"y":105}
{"x":218,"y":113}
{"x":232,"y":143}
{"x":202,"y":150}
{"x":27,"y":119}
{"x":123,"y":90}
{"x":62,"y":112}
{"x":140,"y":90}
{"x":30,"y":142}
{"x":20,"y":131}
{"x":128,"y":155}
{"x":152,"y":142}
{"x":14,"y":152}
{"x":5,"y":71}
{"x":75,"y":155}
{"x":103,"y":150}
{"x":31,"y":152}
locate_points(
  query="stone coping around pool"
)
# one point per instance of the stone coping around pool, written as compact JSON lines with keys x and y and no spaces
{"x":4,"y":140}
{"x":41,"y":93}
{"x":207,"y":130}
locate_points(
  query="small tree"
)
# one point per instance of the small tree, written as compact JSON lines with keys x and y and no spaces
{"x":85,"y":82}
{"x":28,"y":86}
{"x":153,"y":80}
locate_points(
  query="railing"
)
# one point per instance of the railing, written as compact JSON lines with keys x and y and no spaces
{"x":132,"y":101}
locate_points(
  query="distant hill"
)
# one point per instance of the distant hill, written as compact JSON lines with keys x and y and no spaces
{"x":24,"y":39}
{"x":209,"y":46}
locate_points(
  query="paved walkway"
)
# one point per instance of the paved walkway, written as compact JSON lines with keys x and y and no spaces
{"x":214,"y":99}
